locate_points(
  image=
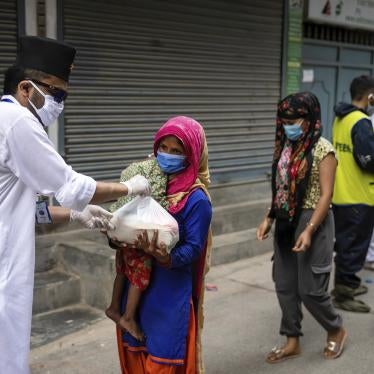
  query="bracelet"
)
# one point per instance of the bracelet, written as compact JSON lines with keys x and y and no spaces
{"x":312,"y":225}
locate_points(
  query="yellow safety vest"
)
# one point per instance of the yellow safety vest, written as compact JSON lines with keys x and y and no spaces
{"x":352,"y":184}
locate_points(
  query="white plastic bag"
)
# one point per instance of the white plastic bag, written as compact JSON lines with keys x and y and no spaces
{"x":144,"y":213}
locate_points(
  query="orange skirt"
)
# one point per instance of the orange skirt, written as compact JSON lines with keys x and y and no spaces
{"x":140,"y":362}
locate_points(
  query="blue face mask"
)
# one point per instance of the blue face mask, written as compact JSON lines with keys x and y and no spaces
{"x":293,"y":132}
{"x":171,"y":164}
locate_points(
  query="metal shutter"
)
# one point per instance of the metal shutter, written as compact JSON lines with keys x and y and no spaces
{"x":140,"y":62}
{"x":8,"y":35}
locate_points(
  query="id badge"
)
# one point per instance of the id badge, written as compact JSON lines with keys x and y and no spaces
{"x":42,"y":213}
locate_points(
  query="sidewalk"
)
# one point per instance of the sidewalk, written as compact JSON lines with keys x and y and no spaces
{"x":242,"y":322}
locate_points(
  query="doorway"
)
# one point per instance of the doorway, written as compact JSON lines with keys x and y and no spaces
{"x":328,"y":69}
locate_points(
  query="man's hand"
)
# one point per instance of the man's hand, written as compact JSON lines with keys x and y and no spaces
{"x":137,"y":185}
{"x":93,"y":217}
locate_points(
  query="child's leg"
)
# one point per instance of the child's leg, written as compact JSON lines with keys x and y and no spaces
{"x":114,"y":310}
{"x":127,"y":321}
{"x":138,"y":272}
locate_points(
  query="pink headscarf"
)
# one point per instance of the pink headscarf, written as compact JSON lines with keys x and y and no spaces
{"x":192,"y":136}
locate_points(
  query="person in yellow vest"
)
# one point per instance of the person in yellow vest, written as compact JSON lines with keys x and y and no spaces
{"x":353,"y":198}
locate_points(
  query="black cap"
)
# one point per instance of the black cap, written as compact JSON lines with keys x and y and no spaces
{"x":47,"y":55}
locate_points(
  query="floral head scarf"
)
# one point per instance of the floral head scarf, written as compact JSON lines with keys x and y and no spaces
{"x":305,"y":106}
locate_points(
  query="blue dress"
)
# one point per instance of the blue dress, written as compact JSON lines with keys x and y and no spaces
{"x":164,"y":310}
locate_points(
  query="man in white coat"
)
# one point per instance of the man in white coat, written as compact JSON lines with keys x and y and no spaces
{"x":34,"y":93}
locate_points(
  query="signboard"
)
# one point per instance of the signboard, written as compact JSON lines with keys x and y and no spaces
{"x":308,"y":76}
{"x":294,"y":45}
{"x":349,"y":13}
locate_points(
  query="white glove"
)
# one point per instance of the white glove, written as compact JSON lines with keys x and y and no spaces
{"x":137,"y":185}
{"x":93,"y":217}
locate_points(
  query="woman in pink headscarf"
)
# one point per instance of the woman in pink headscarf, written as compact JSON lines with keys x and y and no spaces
{"x":170,"y":311}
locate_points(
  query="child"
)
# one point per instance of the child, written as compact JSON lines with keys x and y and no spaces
{"x":133,"y":264}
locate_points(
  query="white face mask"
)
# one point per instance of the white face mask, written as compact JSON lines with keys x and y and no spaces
{"x":51,"y":109}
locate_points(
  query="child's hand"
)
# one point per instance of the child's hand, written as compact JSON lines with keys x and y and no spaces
{"x":116,"y":243}
{"x":150,"y":247}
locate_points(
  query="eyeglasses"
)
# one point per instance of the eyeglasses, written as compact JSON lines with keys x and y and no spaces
{"x":58,"y":94}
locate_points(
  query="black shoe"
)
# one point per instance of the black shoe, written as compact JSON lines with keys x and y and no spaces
{"x":351,"y":305}
{"x":344,"y":292}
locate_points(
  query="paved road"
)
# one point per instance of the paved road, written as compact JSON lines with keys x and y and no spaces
{"x":242,"y":322}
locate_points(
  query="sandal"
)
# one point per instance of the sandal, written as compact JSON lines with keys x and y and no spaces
{"x":352,"y":305}
{"x":335,"y":347}
{"x":277,"y":355}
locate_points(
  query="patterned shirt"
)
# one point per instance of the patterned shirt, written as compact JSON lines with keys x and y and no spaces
{"x":313,"y":193}
{"x":156,"y":178}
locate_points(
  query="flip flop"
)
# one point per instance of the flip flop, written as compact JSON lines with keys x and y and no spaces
{"x":352,"y":305}
{"x":335,"y":347}
{"x":278,"y":355}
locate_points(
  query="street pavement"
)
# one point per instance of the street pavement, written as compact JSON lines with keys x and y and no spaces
{"x":241,"y":326}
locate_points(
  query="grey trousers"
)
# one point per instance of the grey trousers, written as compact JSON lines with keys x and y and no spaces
{"x":304,"y":277}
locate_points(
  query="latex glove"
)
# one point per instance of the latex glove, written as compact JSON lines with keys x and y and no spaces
{"x":137,"y":185}
{"x":93,"y":217}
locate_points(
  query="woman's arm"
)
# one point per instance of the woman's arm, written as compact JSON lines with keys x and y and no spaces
{"x":327,"y":169}
{"x":196,"y":232}
{"x":263,"y":229}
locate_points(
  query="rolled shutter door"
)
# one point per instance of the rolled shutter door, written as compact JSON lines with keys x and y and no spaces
{"x":141,"y":62}
{"x":8,"y":36}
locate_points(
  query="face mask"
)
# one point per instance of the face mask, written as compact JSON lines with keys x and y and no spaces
{"x":50,"y":111}
{"x":293,"y":132}
{"x":171,"y":164}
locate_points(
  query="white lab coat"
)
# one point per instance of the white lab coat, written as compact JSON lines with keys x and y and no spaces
{"x":28,"y":165}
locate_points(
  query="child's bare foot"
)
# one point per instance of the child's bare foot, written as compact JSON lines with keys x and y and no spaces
{"x":131,"y":327}
{"x":113,"y":314}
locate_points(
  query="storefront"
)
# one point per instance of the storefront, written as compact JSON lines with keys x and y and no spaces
{"x":338,"y":45}
{"x":141,"y":62}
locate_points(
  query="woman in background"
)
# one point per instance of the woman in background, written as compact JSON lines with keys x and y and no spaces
{"x":303,"y":175}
